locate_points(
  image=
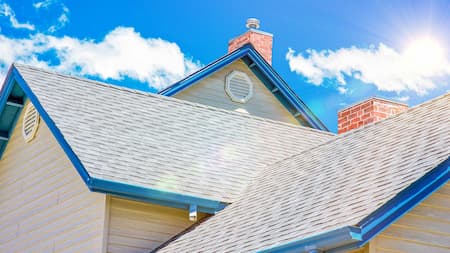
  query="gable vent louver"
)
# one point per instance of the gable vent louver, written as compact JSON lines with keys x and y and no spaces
{"x":238,"y":87}
{"x":30,"y":123}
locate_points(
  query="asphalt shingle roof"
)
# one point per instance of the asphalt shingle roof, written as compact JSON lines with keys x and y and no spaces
{"x":332,"y":185}
{"x":163,"y":143}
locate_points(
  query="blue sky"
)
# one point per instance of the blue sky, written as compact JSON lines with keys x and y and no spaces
{"x":332,"y":53}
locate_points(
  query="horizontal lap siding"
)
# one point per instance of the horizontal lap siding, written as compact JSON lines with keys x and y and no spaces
{"x":44,"y":204}
{"x":137,"y":227}
{"x":211,"y":91}
{"x":426,"y":228}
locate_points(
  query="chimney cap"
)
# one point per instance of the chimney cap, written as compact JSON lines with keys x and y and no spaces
{"x":252,"y":23}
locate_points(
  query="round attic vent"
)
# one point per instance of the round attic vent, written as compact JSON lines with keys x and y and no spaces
{"x":30,"y":123}
{"x":238,"y":86}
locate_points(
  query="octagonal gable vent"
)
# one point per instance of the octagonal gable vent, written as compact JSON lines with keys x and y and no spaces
{"x":238,"y":86}
{"x":30,"y":123}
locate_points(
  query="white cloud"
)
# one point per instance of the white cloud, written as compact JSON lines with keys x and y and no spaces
{"x":342,"y":89}
{"x":63,"y":19}
{"x":5,"y":10}
{"x":386,"y":68}
{"x":43,"y":4}
{"x":122,"y":53}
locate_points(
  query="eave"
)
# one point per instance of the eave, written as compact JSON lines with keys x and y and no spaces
{"x":12,"y":97}
{"x":319,"y":243}
{"x":356,"y":236}
{"x":11,"y":102}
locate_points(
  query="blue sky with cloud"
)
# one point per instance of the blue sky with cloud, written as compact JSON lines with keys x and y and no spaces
{"x":332,"y":54}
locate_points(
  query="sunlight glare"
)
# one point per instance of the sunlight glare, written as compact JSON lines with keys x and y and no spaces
{"x":425,"y":52}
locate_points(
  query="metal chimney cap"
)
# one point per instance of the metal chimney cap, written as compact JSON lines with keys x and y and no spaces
{"x":252,"y":23}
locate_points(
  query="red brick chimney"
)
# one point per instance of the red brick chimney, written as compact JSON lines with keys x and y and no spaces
{"x":260,"y":40}
{"x":366,"y":112}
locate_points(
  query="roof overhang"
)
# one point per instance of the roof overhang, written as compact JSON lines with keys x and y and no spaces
{"x":337,"y":238}
{"x":271,"y":79}
{"x":12,"y":100}
{"x":404,"y":201}
{"x":13,"y":95}
{"x":352,"y":237}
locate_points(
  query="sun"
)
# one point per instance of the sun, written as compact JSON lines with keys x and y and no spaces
{"x":425,"y":52}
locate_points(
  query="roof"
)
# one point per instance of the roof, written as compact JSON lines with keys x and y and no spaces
{"x":264,"y":71}
{"x":156,"y":148}
{"x":338,"y":194}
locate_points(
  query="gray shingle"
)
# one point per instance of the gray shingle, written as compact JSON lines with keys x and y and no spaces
{"x":163,"y":143}
{"x":333,"y":185}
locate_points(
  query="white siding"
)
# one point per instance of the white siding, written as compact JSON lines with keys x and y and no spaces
{"x":44,"y":204}
{"x":137,"y":227}
{"x":426,"y":228}
{"x":211,"y":91}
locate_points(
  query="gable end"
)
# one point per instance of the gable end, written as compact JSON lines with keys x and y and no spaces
{"x":268,"y":76}
{"x":17,"y":90}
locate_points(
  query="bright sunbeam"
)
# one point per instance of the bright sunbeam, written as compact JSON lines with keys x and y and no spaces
{"x":426,"y":53}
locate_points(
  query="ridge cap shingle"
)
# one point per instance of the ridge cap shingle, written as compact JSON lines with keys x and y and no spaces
{"x":362,"y":128}
{"x":138,"y":138}
{"x":172,"y":99}
{"x":336,"y":183}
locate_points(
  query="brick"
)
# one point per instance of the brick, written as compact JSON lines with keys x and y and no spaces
{"x":367,"y":112}
{"x":380,"y":115}
{"x":355,"y":109}
{"x":261,"y":42}
{"x":353,"y":115}
{"x":369,"y":109}
{"x":355,"y":120}
{"x":366,"y":105}
{"x":345,"y":113}
{"x":365,"y":116}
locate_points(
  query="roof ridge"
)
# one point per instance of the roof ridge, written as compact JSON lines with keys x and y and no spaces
{"x":195,"y":72}
{"x":158,"y":96}
{"x":368,"y":126}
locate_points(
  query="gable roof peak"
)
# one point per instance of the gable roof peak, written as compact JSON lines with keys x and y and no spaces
{"x":264,"y":71}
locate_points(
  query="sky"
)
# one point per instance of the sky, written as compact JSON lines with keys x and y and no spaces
{"x":332,"y":53}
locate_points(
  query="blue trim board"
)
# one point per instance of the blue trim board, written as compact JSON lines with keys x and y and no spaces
{"x":120,"y":189}
{"x":343,"y":238}
{"x":258,"y":61}
{"x":328,"y":240}
{"x":284,"y":88}
{"x":5,"y":92}
{"x":204,"y":72}
{"x":348,"y":238}
{"x":11,"y":104}
{"x":155,"y":196}
{"x":51,"y":125}
{"x":404,"y":201}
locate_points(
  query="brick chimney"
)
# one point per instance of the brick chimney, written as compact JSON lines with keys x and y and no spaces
{"x":366,"y":112}
{"x":260,"y":40}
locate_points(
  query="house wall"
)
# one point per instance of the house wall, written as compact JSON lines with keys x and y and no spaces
{"x":136,"y":227}
{"x":426,"y":228}
{"x":364,"y":249}
{"x":44,"y":204}
{"x":211,"y":91}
